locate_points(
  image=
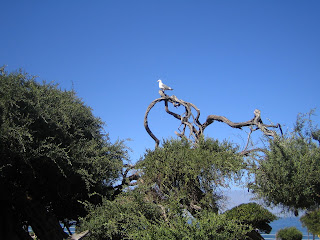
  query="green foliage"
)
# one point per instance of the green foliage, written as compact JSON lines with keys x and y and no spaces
{"x":207,"y":226}
{"x":290,"y":233}
{"x":132,"y":217}
{"x":311,"y":220}
{"x":118,"y":219}
{"x":190,"y":174}
{"x":175,"y":198}
{"x":290,"y":173}
{"x":53,"y":150}
{"x":252,"y":214}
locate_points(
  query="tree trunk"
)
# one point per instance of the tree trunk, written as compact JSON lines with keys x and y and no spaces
{"x":9,"y":226}
{"x":18,"y":210}
{"x":44,"y":224}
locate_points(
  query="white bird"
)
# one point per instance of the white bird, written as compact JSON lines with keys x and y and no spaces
{"x":77,"y":236}
{"x":163,"y":87}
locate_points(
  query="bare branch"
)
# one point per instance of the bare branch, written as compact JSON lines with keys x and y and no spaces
{"x":247,"y":152}
{"x":126,"y":180}
{"x":163,"y":210}
{"x":196,"y":129}
{"x":177,"y":116}
{"x":146,"y":120}
{"x":248,"y":139}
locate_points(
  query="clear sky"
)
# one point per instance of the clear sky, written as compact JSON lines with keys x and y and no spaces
{"x":228,"y":57}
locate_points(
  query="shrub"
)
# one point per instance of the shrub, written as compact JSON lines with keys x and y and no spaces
{"x":290,"y":233}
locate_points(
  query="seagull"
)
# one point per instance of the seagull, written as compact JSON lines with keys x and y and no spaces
{"x":77,"y":236}
{"x":163,"y":87}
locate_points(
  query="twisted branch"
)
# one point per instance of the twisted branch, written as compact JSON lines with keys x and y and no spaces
{"x":196,"y":129}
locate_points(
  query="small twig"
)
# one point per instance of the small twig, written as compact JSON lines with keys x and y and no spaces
{"x":248,"y":139}
{"x":164,"y":214}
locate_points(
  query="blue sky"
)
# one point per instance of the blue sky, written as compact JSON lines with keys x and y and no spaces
{"x":226,"y":57}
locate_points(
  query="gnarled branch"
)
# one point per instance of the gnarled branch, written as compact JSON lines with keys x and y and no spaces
{"x":191,"y":122}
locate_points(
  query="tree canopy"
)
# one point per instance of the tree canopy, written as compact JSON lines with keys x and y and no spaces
{"x":54,"y":154}
{"x":176,"y":196}
{"x":253,"y":215}
{"x":289,"y":233}
{"x":59,"y":166}
{"x":131,"y":216}
{"x":289,"y":173}
{"x":311,"y":220}
{"x":191,"y":173}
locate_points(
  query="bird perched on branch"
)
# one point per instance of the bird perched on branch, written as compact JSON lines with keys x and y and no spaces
{"x":163,"y":87}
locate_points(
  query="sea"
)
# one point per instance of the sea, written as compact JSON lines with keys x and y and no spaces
{"x":284,"y":222}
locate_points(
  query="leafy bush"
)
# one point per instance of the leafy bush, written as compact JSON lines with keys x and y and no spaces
{"x":311,"y":220}
{"x":118,"y":219}
{"x":290,"y":233}
{"x":289,"y":173}
{"x":252,"y":214}
{"x":206,"y":226}
{"x":130,"y":216}
{"x":189,"y":174}
{"x":54,"y":155}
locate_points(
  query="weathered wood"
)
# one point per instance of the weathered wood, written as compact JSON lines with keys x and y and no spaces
{"x":196,"y":129}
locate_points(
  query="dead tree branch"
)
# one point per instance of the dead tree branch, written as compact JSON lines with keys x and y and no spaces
{"x":127,"y":179}
{"x":191,"y":122}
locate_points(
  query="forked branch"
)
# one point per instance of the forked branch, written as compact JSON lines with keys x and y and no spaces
{"x":191,"y":122}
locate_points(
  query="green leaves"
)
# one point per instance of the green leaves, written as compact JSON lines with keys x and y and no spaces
{"x":190,"y":174}
{"x":130,"y":216}
{"x":179,"y":162}
{"x":290,"y":173}
{"x":120,"y":219}
{"x":311,"y":220}
{"x":290,"y":233}
{"x":207,"y":226}
{"x":53,"y":147}
{"x":252,"y":214}
{"x":176,"y":197}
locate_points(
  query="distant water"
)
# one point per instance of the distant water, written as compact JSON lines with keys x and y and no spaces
{"x":72,"y":229}
{"x":287,"y":222}
{"x":276,"y":226}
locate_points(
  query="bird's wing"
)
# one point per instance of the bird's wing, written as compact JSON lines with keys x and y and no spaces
{"x":166,"y":87}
